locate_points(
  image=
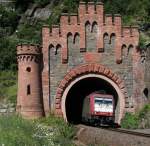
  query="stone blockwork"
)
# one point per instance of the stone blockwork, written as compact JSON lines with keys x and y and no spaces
{"x":88,"y":39}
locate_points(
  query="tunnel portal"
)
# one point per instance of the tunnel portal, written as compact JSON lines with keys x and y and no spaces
{"x":76,"y":95}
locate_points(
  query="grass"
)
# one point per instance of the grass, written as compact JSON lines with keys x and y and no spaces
{"x":137,"y":120}
{"x":50,"y":131}
{"x":64,"y":132}
{"x":8,"y":86}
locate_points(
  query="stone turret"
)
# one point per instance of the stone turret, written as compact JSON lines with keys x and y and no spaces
{"x":29,"y":98}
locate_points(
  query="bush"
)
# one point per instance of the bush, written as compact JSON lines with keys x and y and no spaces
{"x":8,"y":54}
{"x":8,"y":86}
{"x":144,"y":116}
{"x":29,"y":34}
{"x":138,"y":120}
{"x":130,"y":121}
{"x":8,"y":19}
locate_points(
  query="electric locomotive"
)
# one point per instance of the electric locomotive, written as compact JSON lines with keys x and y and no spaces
{"x":98,"y":109}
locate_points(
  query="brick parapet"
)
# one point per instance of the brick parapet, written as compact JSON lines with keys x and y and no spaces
{"x":28,"y":49}
{"x":75,"y":23}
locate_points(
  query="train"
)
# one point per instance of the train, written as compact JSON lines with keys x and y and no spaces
{"x":98,"y":109}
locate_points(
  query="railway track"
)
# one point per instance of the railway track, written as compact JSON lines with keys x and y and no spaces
{"x":111,"y":136}
{"x":129,"y":132}
{"x":121,"y":130}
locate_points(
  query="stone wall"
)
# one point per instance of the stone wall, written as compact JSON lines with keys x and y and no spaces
{"x":89,"y":37}
{"x":8,"y":108}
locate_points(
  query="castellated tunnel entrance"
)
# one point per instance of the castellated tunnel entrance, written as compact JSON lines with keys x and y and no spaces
{"x":81,"y":89}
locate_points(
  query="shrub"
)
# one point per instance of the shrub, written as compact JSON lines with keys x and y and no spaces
{"x":8,"y":86}
{"x":144,"y":116}
{"x":8,"y":54}
{"x":130,"y":121}
{"x":138,"y":120}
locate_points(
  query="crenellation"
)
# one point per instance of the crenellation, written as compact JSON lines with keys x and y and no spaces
{"x":74,"y":19}
{"x":45,"y":31}
{"x":135,"y":31}
{"x":100,"y":10}
{"x":117,"y":20}
{"x":126,"y":31}
{"x":28,"y":49}
{"x":91,"y":8}
{"x":82,"y":9}
{"x":64,"y":19}
{"x":108,"y":19}
{"x":55,"y":30}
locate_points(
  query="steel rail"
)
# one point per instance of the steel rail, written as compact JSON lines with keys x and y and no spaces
{"x":126,"y":131}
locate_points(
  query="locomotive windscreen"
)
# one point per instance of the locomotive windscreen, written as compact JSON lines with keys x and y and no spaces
{"x":103,"y":104}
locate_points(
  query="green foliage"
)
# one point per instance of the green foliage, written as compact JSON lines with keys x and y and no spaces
{"x":130,"y":121}
{"x":144,"y":111}
{"x":144,"y":116}
{"x":132,"y":10}
{"x":29,"y":34}
{"x":144,"y":40}
{"x":22,"y":5}
{"x":64,"y":132}
{"x":16,"y":131}
{"x":7,"y":53}
{"x":138,"y":120}
{"x":8,"y":20}
{"x":8,"y":86}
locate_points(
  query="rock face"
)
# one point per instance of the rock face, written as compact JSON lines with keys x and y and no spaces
{"x":8,"y":108}
{"x":35,"y":13}
{"x":42,"y":13}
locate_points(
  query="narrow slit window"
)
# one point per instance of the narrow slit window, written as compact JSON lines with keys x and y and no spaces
{"x":28,"y":90}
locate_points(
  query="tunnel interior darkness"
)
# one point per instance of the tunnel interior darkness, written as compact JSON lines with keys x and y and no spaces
{"x":76,"y":95}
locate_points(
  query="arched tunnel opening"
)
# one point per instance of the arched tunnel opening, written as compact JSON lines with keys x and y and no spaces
{"x":84,"y":87}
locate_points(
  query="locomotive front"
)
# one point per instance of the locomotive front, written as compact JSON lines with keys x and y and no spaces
{"x":98,"y":109}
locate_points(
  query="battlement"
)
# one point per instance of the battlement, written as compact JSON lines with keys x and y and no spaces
{"x":23,"y":49}
{"x":90,"y":7}
{"x":90,"y":16}
{"x":130,"y":31}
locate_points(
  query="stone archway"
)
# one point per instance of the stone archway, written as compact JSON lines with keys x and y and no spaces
{"x":89,"y":71}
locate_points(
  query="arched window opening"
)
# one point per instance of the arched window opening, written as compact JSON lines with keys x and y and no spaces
{"x":76,"y":38}
{"x":145,"y":91}
{"x":57,"y":50}
{"x":112,"y":38}
{"x":69,"y":39}
{"x":123,"y":51}
{"x":51,"y":48}
{"x":94,"y":27}
{"x":130,"y":49}
{"x":87,"y":26}
{"x":28,"y":90}
{"x":28,"y":69}
{"x":105,"y":40}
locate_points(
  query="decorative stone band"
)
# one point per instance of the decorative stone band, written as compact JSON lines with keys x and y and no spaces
{"x":83,"y":70}
{"x":28,"y":49}
{"x":29,"y":57}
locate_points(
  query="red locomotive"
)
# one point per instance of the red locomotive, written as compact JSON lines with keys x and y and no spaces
{"x":98,"y":109}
